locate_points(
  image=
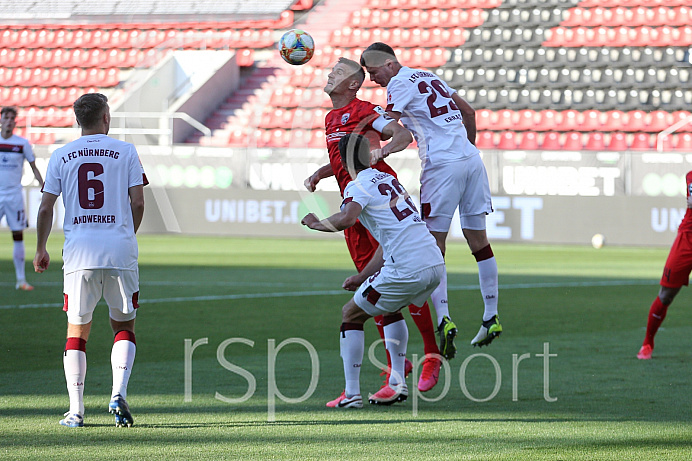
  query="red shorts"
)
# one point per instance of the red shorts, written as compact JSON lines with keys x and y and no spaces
{"x":361,"y":245}
{"x":676,"y":272}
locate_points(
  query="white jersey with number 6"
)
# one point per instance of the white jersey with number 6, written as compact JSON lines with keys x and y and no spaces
{"x":93,"y":174}
{"x":428,"y":111}
{"x":392,"y":218}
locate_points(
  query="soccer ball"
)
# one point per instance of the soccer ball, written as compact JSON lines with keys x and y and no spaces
{"x":597,"y":241}
{"x":296,"y":47}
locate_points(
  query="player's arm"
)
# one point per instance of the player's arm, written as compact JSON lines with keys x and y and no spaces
{"x":337,"y":222}
{"x":37,"y":174}
{"x":322,"y":172}
{"x":353,"y":282}
{"x":136,"y":194}
{"x":401,"y":138}
{"x":468,"y":115}
{"x":44,"y":224}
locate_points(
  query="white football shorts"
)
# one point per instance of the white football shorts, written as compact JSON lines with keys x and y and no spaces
{"x":464,"y":185}
{"x":387,"y":291}
{"x":84,"y":289}
{"x":12,"y":208}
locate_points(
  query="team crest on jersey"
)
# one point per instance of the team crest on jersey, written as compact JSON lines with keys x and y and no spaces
{"x":344,"y":118}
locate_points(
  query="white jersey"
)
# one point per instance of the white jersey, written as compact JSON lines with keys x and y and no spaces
{"x":391,"y":217}
{"x":93,"y":174}
{"x":428,"y":111}
{"x":13,"y":151}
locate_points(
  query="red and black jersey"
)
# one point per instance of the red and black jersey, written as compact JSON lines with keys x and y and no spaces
{"x":356,"y":117}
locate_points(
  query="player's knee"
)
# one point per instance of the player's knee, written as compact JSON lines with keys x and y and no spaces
{"x":667,"y":295}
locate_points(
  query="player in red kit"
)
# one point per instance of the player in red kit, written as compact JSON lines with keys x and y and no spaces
{"x":352,"y":115}
{"x":676,"y":273}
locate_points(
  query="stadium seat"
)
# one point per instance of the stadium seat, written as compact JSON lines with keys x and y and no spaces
{"x":641,"y":141}
{"x":683,"y":142}
{"x":485,"y":140}
{"x":508,"y":141}
{"x":551,"y":141}
{"x":573,"y":141}
{"x":617,"y":142}
{"x":595,"y":141}
{"x":529,"y":141}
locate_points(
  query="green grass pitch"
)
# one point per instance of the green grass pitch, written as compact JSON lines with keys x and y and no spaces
{"x":589,"y":399}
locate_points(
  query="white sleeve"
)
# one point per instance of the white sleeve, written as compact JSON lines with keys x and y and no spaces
{"x":398,"y":96}
{"x":53,"y":183}
{"x":28,"y":152}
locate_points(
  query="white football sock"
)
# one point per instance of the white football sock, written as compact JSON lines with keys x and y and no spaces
{"x":396,"y":339}
{"x":487,"y":275}
{"x":122,"y":359}
{"x":352,"y":345}
{"x":18,"y":257}
{"x":75,"y":364}
{"x":439,"y":300}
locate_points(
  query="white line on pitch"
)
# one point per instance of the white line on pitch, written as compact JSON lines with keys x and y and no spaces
{"x":509,"y":286}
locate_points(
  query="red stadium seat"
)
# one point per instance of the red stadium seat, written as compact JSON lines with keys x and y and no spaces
{"x":529,"y":141}
{"x":641,"y":141}
{"x":573,"y":141}
{"x":614,"y":120}
{"x":591,"y":120}
{"x":636,"y":120}
{"x":485,"y":140}
{"x":617,"y":142}
{"x":659,"y":120}
{"x":684,"y":142}
{"x":551,"y":141}
{"x":548,"y":120}
{"x":484,"y":119}
{"x":508,"y":141}
{"x":595,"y":141}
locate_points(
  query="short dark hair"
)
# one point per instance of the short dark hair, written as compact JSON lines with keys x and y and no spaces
{"x":376,"y":54}
{"x":354,"y":67}
{"x":355,"y":151}
{"x":8,"y":109}
{"x":88,"y":109}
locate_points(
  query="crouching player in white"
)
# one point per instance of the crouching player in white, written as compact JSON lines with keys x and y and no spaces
{"x":405,"y":270}
{"x":101,"y":181}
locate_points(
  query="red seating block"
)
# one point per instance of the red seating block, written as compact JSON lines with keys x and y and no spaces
{"x":485,"y":140}
{"x":529,"y":141}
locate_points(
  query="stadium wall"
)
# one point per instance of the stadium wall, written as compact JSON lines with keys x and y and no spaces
{"x":632,"y":198}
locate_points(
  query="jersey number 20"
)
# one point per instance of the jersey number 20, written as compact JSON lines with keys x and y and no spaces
{"x":394,"y":194}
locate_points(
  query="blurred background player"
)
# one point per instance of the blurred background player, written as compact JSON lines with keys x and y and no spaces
{"x":13,"y":151}
{"x":101,"y":181}
{"x":408,"y":268}
{"x":453,"y":175}
{"x":676,"y":273}
{"x":352,"y":115}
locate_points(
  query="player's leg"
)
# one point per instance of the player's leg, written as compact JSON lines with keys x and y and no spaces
{"x":440,"y":192}
{"x":431,"y":365}
{"x":676,"y":274}
{"x":362,"y":247}
{"x":474,"y":205}
{"x":13,"y":208}
{"x":352,"y":346}
{"x":488,"y":278}
{"x":657,"y":313}
{"x":82,"y":290}
{"x":121,"y":291}
{"x":19,"y":262}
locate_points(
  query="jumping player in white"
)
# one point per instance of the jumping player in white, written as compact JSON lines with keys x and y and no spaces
{"x":13,"y":151}
{"x":453,"y":176}
{"x":101,"y":181}
{"x":410,"y":268}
